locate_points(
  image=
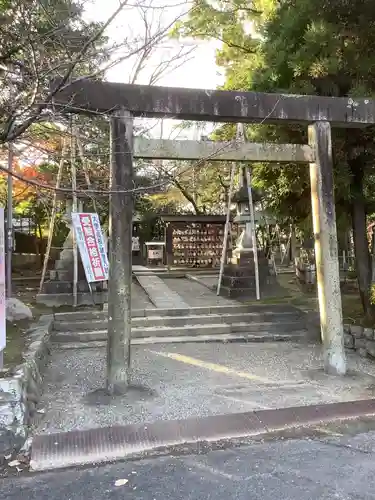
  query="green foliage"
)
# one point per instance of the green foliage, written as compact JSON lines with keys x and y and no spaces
{"x":295,"y":47}
{"x":304,"y":47}
{"x":193,"y":187}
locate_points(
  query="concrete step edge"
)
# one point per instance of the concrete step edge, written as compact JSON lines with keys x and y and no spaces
{"x":210,"y":326}
{"x":203,"y":310}
{"x":90,"y":336}
{"x":281,"y":318}
{"x":224,"y":338}
{"x":95,"y":446}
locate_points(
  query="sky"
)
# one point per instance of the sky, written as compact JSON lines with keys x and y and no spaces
{"x":198,"y":72}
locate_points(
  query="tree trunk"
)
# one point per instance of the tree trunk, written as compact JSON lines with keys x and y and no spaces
{"x":190,"y":197}
{"x":361,"y":246}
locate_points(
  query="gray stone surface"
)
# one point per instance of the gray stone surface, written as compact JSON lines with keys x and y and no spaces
{"x":20,"y":389}
{"x":359,"y":343}
{"x":360,"y":339}
{"x":329,"y":468}
{"x":186,"y":380}
{"x":160,"y":293}
{"x":16,"y":310}
{"x":368,"y":333}
{"x":66,"y":299}
{"x":356,"y":331}
{"x":216,"y":105}
{"x":140,"y":299}
{"x":196,"y":294}
{"x":362,"y":351}
{"x":348,"y":341}
{"x":218,"y":151}
{"x":370,"y":346}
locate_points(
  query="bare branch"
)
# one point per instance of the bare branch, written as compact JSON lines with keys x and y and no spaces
{"x":13,"y":131}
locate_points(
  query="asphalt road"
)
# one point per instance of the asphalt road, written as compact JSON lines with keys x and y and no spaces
{"x":329,"y":467}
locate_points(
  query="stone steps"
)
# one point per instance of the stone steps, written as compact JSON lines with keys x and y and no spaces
{"x":99,"y":323}
{"x":246,"y":323}
{"x":185,"y":311}
{"x":222,"y":338}
{"x":265,"y":328}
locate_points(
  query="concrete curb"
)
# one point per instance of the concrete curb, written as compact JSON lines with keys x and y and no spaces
{"x":247,"y":333}
{"x":197,"y":279}
{"x":68,"y":449}
{"x":184,"y":311}
{"x":361,"y":340}
{"x":221,"y":338}
{"x":20,"y":388}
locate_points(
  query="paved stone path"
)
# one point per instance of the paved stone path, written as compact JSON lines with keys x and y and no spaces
{"x":140,"y":300}
{"x":196,"y":294}
{"x":159,"y":293}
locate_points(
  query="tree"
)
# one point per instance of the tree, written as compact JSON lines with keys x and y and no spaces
{"x":42,"y":40}
{"x":200,"y":187}
{"x":46,"y":39}
{"x":299,"y":48}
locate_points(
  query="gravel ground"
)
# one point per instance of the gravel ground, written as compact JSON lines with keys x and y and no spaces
{"x":184,"y":380}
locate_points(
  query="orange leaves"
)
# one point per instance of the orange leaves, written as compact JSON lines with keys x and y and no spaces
{"x":21,"y":190}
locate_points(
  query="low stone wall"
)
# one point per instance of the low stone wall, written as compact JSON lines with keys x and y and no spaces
{"x":20,"y":388}
{"x":360,"y":339}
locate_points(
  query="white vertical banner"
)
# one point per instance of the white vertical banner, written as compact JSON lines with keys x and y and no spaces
{"x":2,"y":283}
{"x":91,"y":245}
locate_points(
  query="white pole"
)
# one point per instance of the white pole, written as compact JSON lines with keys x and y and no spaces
{"x":253,"y":233}
{"x":53,"y":217}
{"x":3,"y":326}
{"x":9,"y":223}
{"x":226,"y":231}
{"x":74,"y":209}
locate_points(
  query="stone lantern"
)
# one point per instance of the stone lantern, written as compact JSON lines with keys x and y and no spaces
{"x":65,"y":262}
{"x":244,"y":244}
{"x":239,"y":275}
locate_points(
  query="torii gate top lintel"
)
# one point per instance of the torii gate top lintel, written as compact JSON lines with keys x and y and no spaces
{"x":90,"y":96}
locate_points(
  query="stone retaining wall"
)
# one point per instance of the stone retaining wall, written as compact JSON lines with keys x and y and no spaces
{"x":20,"y":388}
{"x":360,"y":339}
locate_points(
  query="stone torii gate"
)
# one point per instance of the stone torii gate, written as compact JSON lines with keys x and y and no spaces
{"x":122,"y":102}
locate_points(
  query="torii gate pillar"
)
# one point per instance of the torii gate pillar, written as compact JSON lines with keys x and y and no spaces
{"x":326,"y":254}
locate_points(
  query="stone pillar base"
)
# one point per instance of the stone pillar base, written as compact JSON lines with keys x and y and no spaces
{"x":239,"y":276}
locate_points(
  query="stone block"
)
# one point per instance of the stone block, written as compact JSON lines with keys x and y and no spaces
{"x":17,"y":310}
{"x":20,"y":389}
{"x":9,"y":442}
{"x":359,"y":343}
{"x":356,"y":331}
{"x":363,"y":352}
{"x":56,"y":287}
{"x":230,"y":292}
{"x":346,"y":328}
{"x":368,"y":333}
{"x":348,"y":341}
{"x":370,"y":347}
